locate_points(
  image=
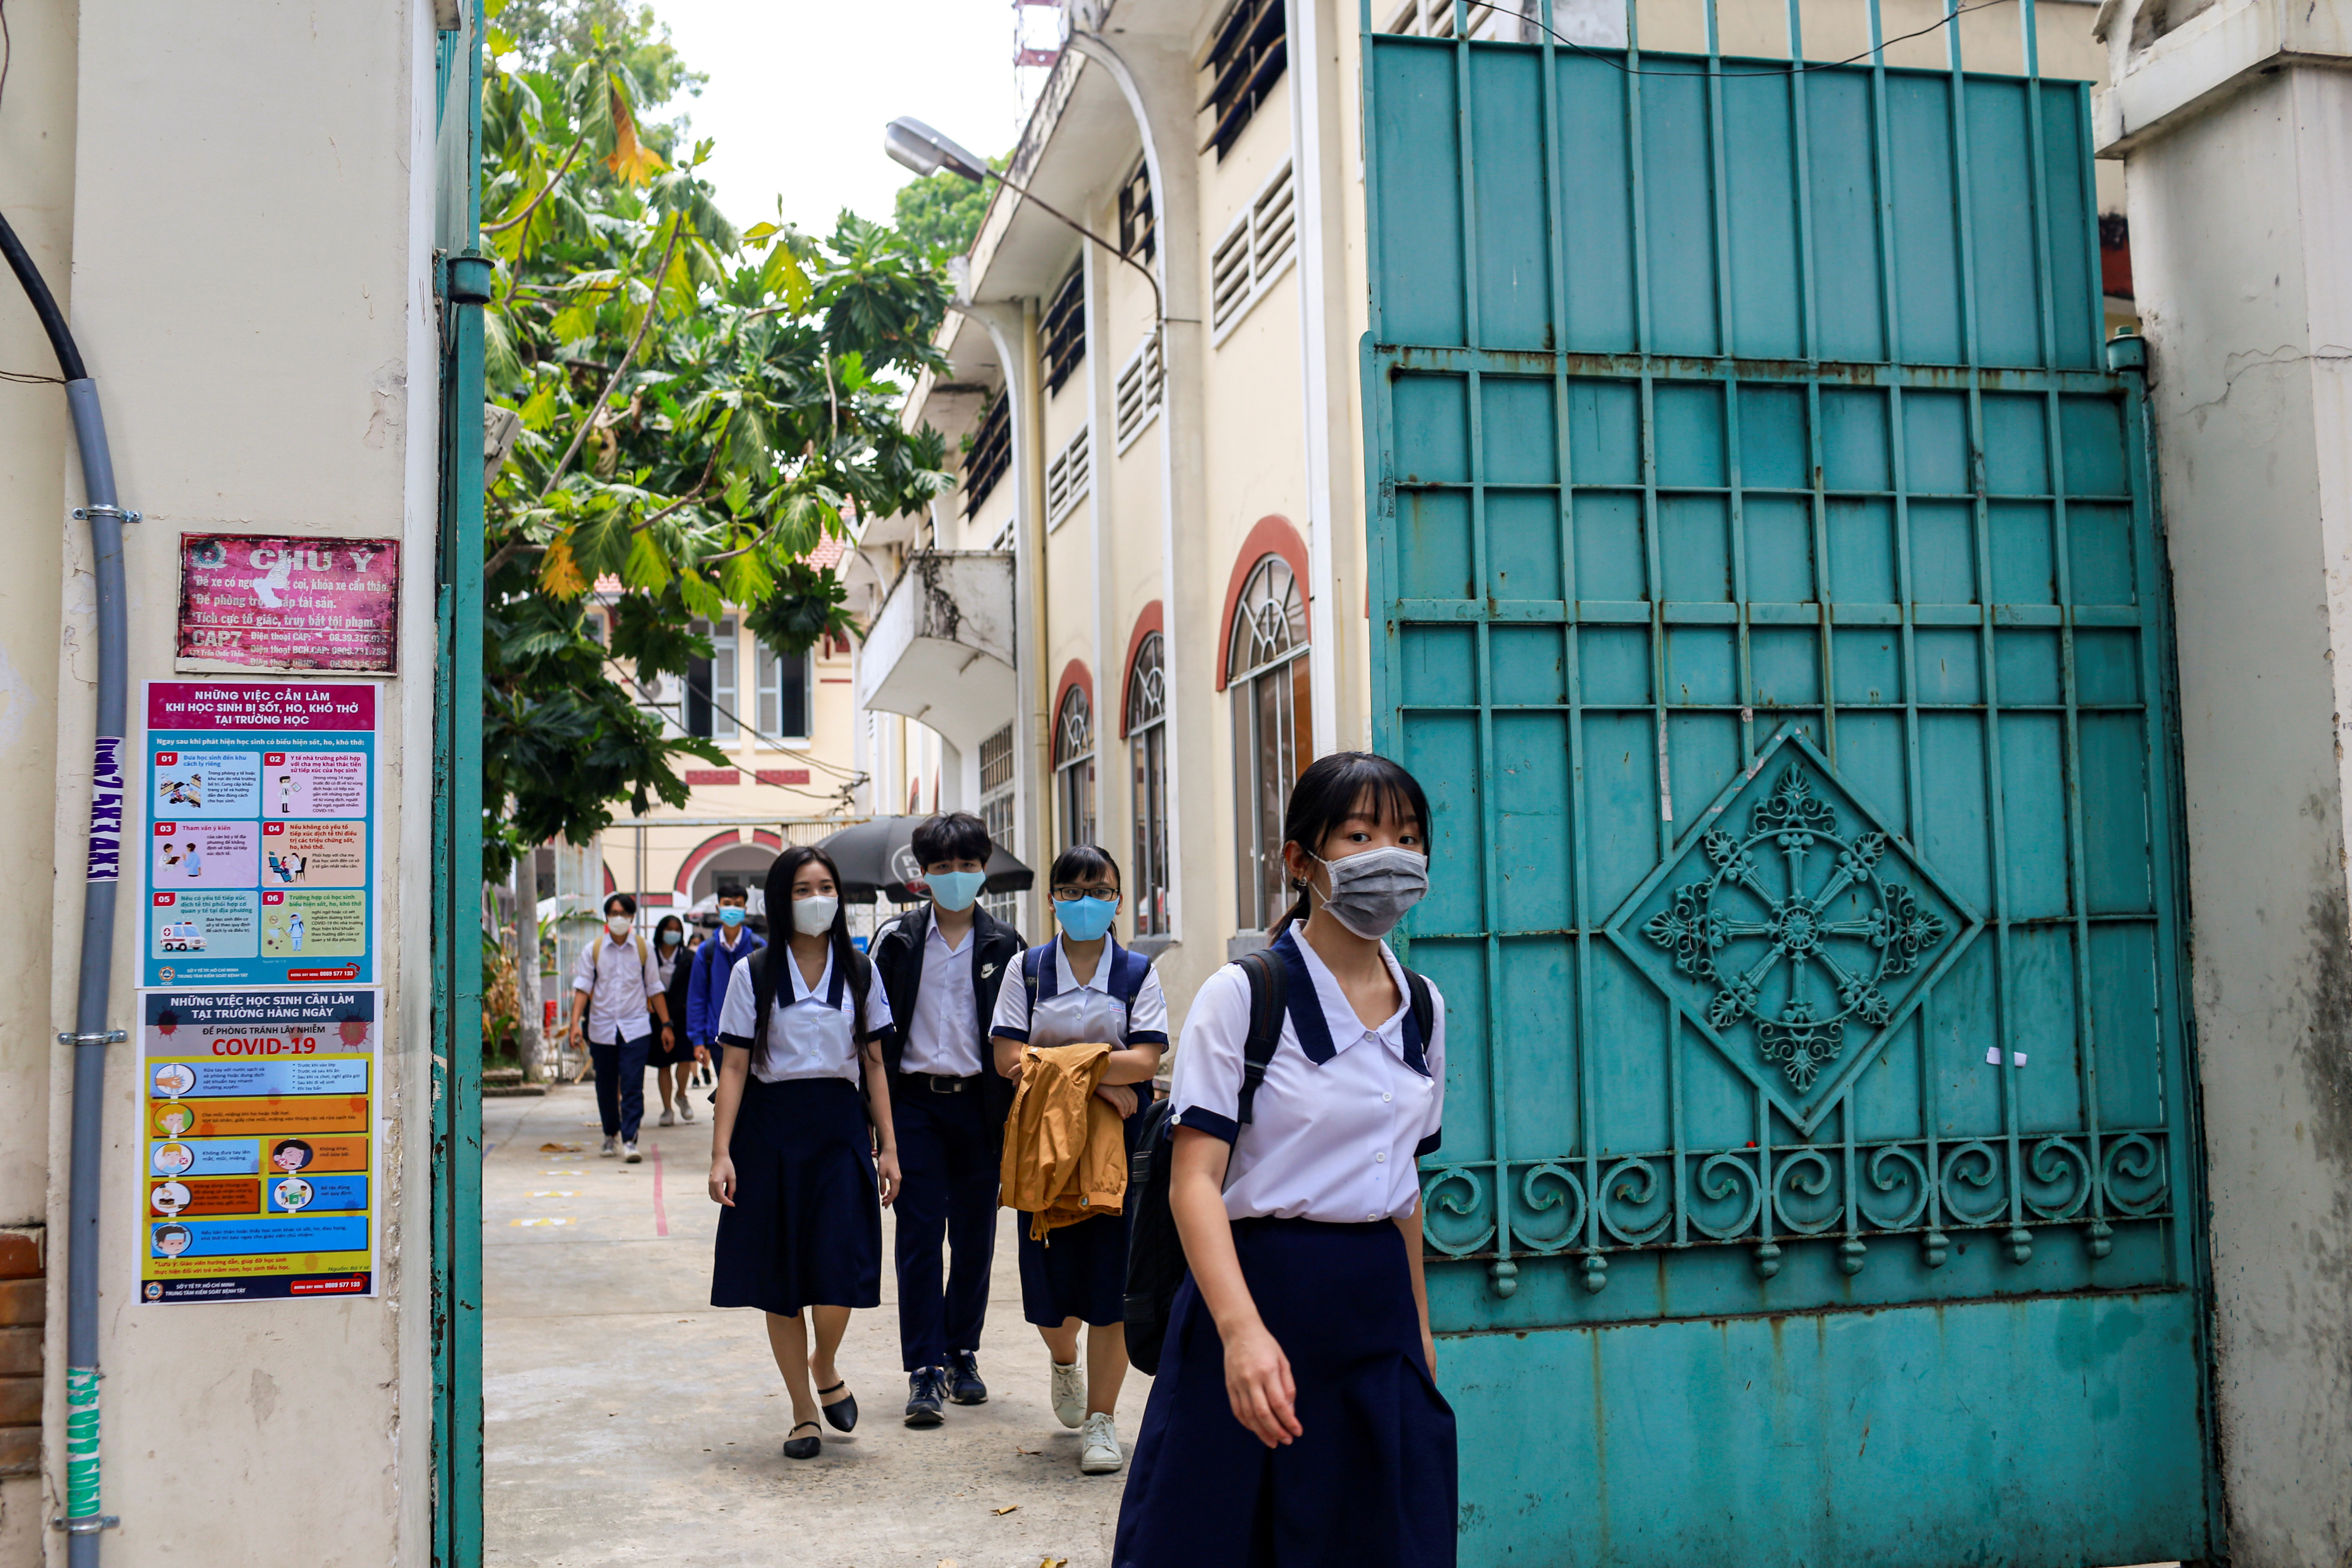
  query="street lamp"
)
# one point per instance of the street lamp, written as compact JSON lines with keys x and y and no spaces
{"x":915,"y":145}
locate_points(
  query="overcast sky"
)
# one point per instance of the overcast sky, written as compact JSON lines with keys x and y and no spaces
{"x":800,"y":91}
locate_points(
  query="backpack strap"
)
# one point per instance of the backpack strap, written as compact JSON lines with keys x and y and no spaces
{"x":1130,"y":970}
{"x":1423,"y":1017}
{"x":763,"y":998}
{"x":1263,"y":969}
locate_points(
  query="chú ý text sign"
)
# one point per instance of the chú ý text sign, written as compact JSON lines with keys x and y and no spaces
{"x":272,"y":601}
{"x":258,"y":859}
{"x":259,"y":1120}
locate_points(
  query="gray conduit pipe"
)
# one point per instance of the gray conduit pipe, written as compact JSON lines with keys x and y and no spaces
{"x":82,"y":1518}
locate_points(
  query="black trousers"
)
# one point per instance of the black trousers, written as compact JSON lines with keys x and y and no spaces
{"x":947,"y":1154}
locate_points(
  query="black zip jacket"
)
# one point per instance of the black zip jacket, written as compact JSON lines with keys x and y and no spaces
{"x":898,"y":952}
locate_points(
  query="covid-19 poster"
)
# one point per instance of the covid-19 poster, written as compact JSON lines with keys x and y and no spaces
{"x":257,"y":1156}
{"x":259,"y":853}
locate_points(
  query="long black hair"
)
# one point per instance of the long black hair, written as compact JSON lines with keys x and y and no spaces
{"x":781,"y":872}
{"x":1330,"y":790}
{"x":1080,"y":862}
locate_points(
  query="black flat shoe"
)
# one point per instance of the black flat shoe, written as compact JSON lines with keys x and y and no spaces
{"x":842,"y":1414}
{"x":803,"y":1448}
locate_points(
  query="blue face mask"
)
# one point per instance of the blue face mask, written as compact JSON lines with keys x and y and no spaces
{"x":672,"y":938}
{"x":731,"y":915}
{"x":1085,"y":919}
{"x":954,"y":890}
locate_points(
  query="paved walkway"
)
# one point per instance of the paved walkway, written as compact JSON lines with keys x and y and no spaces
{"x":629,"y":1422}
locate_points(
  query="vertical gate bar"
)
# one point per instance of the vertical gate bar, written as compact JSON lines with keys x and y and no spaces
{"x":1767,"y":1199}
{"x":2078,"y":881}
{"x":1824,"y":583}
{"x":1368,"y":75}
{"x":1467,"y":162}
{"x":1989,"y":684}
{"x":1845,"y":1161}
{"x":1643,"y":343}
{"x":1579,"y":891}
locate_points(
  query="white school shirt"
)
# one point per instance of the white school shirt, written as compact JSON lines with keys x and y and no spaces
{"x":1344,"y":1112}
{"x":618,"y":984}
{"x":811,"y":1037}
{"x":943,"y":1036}
{"x":1077,"y":1013}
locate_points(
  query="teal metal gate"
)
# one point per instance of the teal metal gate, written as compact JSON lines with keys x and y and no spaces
{"x":1769,"y":599}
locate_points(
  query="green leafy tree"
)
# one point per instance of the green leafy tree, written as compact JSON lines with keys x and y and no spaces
{"x":700,"y":408}
{"x":942,"y":211}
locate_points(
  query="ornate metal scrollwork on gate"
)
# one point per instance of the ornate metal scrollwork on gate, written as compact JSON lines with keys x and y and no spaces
{"x":1782,"y":886}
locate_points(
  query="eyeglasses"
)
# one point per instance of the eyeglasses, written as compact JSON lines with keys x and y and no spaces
{"x":1068,"y":895}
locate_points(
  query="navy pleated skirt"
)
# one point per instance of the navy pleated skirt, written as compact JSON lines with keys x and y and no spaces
{"x":1080,"y":1270}
{"x":1372,"y":1481}
{"x":807,"y":1227}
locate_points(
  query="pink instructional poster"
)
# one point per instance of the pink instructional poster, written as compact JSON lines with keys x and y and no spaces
{"x":288,"y":602}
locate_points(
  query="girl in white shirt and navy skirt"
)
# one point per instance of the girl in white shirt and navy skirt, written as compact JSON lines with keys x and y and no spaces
{"x":798,"y":1165}
{"x":1295,"y":1420}
{"x":1084,"y":988}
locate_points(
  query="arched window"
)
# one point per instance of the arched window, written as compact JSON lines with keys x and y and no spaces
{"x":1146,"y":747}
{"x":1074,"y":766}
{"x":1266,"y":673}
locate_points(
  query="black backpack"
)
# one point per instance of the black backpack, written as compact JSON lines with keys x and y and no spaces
{"x":1155,"y":1252}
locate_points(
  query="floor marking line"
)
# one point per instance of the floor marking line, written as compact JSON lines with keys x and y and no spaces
{"x":661,"y":1214}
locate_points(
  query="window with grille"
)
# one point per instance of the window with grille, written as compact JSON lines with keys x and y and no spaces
{"x":1138,"y":393}
{"x":1074,"y":766}
{"x":1248,"y":54}
{"x":1258,"y":247}
{"x":1065,"y":330}
{"x":1139,"y":220}
{"x":1266,"y":677}
{"x":783,"y":695}
{"x":1147,"y":749}
{"x":990,"y":454}
{"x":1067,"y":476}
{"x":996,"y":796}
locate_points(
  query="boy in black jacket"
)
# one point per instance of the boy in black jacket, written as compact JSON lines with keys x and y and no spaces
{"x":941,"y":965}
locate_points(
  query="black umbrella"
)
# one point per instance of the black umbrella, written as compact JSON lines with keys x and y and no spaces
{"x":878,"y":857}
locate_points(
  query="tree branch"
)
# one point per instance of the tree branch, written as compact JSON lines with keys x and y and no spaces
{"x":653,"y":308}
{"x":524,"y":216}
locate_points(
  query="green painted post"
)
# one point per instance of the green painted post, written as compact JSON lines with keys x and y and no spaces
{"x":457,"y":837}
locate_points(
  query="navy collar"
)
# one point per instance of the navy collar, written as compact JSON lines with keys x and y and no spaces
{"x":1303,"y":1002}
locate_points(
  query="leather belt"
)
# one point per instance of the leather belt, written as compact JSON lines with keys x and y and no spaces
{"x":940,"y":1083}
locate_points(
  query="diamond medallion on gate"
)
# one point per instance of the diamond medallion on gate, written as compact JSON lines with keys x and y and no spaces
{"x":1793,"y":927}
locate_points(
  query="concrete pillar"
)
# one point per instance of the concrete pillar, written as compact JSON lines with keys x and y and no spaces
{"x":2235,"y":123}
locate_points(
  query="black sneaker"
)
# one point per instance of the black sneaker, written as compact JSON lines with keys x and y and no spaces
{"x":925,"y":1388}
{"x":963,"y":1378}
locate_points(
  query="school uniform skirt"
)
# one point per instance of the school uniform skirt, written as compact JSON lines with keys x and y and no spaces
{"x":1080,"y":1270}
{"x":807,"y":1227}
{"x":1372,"y":1481}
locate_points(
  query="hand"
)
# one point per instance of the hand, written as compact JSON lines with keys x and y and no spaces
{"x":1013,"y":1073}
{"x":723,"y":1180}
{"x":1258,"y":1381}
{"x":702,"y":1055}
{"x":1429,"y":1353}
{"x":1118,"y":1096}
{"x":579,"y":1034}
{"x":886,"y":1170}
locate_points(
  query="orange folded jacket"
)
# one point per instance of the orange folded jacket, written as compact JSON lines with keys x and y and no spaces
{"x":1065,"y":1150}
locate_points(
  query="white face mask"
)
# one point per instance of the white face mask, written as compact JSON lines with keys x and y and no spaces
{"x":813,"y":917}
{"x":619,"y":926}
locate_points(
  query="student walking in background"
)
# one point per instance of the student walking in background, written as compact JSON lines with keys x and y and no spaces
{"x":714,"y":964}
{"x":941,"y":963}
{"x":616,"y":1000}
{"x":1295,"y":1420}
{"x":674,"y":1059}
{"x":799,"y":1166}
{"x":1084,"y":988}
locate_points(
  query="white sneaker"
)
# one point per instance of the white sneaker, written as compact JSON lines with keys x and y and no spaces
{"x":666,"y":1119}
{"x":611,"y":1147}
{"x":685,"y":1110}
{"x":629,"y":1156}
{"x":1099,"y":1451}
{"x":1070,"y":1392}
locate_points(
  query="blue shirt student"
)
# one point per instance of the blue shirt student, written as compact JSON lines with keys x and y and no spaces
{"x":714,"y":964}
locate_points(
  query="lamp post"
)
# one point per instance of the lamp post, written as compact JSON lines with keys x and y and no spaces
{"x":915,"y":145}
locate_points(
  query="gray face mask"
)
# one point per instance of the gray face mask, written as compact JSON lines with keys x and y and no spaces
{"x":1370,"y":891}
